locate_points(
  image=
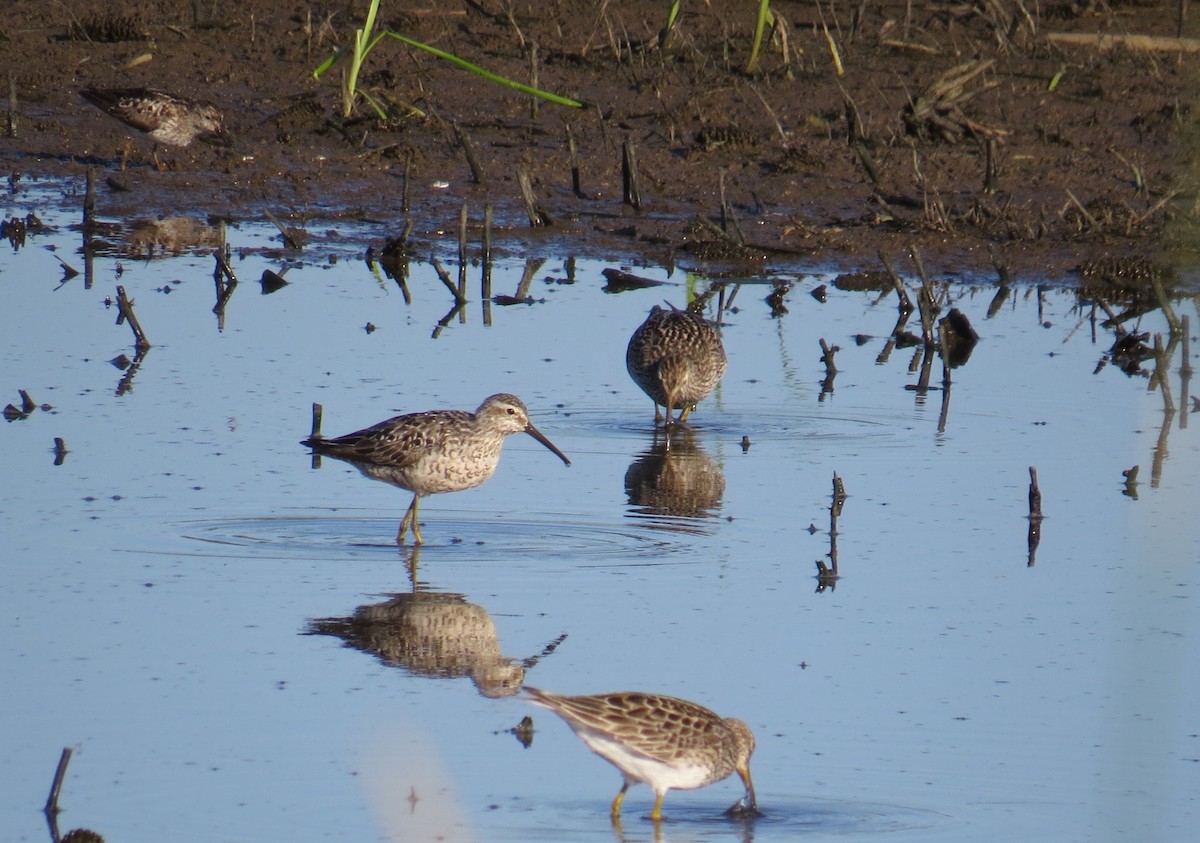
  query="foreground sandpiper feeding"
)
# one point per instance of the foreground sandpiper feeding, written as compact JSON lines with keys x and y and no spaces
{"x":436,"y":451}
{"x":662,"y":741}
{"x":677,"y":358}
{"x":169,"y":119}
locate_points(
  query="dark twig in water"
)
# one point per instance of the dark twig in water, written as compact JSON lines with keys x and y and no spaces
{"x":462,"y":260}
{"x":293,"y":238}
{"x":60,"y":773}
{"x":318,"y":413}
{"x":459,"y":301}
{"x":906,"y":305}
{"x":125,"y":312}
{"x":60,"y":450}
{"x":486,"y":298}
{"x":89,"y":198}
{"x":1035,"y":516}
{"x":827,"y":575}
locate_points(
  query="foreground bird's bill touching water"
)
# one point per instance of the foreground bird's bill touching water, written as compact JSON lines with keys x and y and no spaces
{"x":677,"y":358}
{"x":436,"y":451}
{"x":663,"y":741}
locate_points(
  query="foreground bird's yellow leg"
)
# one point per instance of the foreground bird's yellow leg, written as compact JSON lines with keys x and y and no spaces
{"x":410,"y":515}
{"x":615,"y":811}
{"x":656,"y":814}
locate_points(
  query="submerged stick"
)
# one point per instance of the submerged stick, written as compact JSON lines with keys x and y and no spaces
{"x":318,"y":413}
{"x":906,"y":305}
{"x":125,"y":312}
{"x":64,"y":759}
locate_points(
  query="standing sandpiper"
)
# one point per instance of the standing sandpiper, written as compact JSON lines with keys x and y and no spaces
{"x":175,"y":121}
{"x":676,"y":357}
{"x":436,"y":451}
{"x":662,"y":741}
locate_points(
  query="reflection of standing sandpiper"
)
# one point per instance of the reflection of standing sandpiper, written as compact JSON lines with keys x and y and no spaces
{"x":436,"y":451}
{"x":175,"y":121}
{"x":677,"y":358}
{"x":662,"y":741}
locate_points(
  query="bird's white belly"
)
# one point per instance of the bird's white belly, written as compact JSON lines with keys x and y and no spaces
{"x":661,"y":776}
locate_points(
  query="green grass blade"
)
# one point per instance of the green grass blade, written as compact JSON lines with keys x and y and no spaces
{"x":486,"y":74}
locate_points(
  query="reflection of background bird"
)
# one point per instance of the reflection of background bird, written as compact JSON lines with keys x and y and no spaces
{"x":433,"y":634}
{"x":675,"y":477}
{"x":169,"y":119}
{"x":662,"y":741}
{"x":436,"y":451}
{"x":677,"y":358}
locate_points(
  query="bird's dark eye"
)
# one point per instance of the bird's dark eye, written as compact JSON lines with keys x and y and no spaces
{"x":511,"y":411}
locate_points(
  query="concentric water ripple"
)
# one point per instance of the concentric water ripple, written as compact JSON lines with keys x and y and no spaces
{"x":640,"y":542}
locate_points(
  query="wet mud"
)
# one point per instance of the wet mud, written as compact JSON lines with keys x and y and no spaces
{"x":1047,"y":137}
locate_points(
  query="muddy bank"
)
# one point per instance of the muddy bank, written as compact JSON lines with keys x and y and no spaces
{"x":977,"y":132}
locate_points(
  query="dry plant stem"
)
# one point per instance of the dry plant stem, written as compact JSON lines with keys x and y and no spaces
{"x":906,"y":305}
{"x":445,"y":279}
{"x":11,"y":129}
{"x":533,"y":77}
{"x":1035,"y":494}
{"x":1162,"y":365}
{"x":989,"y":166}
{"x":468,"y":147}
{"x":632,"y":194}
{"x":404,"y":188}
{"x":486,"y":284}
{"x":318,"y":413}
{"x":925,"y":302}
{"x":60,"y":450}
{"x":1104,"y":41}
{"x":944,"y":342}
{"x":536,"y":213}
{"x":89,"y":199}
{"x":1083,"y":211}
{"x":827,"y":352}
{"x":574,"y":158}
{"x":487,"y":252}
{"x":60,"y":773}
{"x":125,"y":312}
{"x":462,"y":257}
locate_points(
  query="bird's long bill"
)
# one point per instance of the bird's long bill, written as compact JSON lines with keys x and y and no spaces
{"x":751,"y":799}
{"x":537,"y":434}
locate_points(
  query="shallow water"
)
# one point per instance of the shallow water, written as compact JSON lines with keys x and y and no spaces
{"x":163,"y":582}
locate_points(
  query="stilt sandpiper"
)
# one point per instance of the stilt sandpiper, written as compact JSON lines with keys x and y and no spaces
{"x":676,"y":357}
{"x":662,"y":741}
{"x":436,"y":451}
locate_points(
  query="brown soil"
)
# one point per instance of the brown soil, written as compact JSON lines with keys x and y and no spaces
{"x":816,"y":167}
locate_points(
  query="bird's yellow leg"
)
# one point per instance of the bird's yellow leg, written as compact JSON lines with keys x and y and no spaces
{"x":410,"y":516}
{"x":615,"y":811}
{"x":656,"y":814}
{"x":687,"y":411}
